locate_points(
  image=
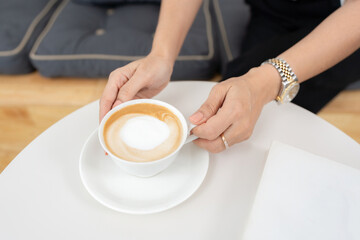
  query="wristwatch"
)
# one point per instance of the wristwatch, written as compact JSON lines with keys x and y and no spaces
{"x":289,"y":82}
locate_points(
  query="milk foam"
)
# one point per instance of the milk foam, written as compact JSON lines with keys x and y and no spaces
{"x":144,"y":132}
{"x":143,"y":137}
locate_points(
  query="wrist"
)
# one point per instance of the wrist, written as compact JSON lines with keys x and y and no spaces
{"x":160,"y":59}
{"x":265,"y":81}
{"x":164,"y":54}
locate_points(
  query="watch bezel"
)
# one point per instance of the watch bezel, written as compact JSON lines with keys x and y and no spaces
{"x":286,"y":89}
{"x":289,"y":80}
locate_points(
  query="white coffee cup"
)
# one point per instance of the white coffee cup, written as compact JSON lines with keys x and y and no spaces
{"x":151,"y":168}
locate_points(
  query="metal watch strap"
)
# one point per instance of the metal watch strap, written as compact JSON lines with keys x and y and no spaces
{"x":286,"y":73}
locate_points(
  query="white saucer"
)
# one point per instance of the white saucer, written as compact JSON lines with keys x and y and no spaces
{"x":122,"y":192}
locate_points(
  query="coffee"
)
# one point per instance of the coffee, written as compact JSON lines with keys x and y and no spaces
{"x":142,"y":132}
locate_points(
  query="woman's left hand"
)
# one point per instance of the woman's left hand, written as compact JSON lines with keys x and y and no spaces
{"x":233,"y":108}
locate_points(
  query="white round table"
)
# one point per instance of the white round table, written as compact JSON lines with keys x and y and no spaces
{"x":42,"y":196}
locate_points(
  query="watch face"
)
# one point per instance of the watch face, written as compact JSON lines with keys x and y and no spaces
{"x":291,"y":92}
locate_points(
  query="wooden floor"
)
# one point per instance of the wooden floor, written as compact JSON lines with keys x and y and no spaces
{"x":29,"y":104}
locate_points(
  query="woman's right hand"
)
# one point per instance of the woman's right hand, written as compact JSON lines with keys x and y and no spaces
{"x":143,"y":78}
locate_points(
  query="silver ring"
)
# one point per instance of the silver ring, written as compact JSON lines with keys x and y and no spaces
{"x":224,"y":141}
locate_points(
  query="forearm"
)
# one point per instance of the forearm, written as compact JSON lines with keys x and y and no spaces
{"x":333,"y":40}
{"x":175,"y":20}
{"x":330,"y":42}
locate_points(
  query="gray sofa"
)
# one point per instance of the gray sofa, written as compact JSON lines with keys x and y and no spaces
{"x":21,"y":22}
{"x":78,"y":39}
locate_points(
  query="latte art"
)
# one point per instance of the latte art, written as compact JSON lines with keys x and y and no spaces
{"x":143,"y":132}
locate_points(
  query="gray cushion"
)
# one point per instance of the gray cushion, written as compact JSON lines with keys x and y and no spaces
{"x":21,"y":21}
{"x":91,"y":41}
{"x":231,"y":18}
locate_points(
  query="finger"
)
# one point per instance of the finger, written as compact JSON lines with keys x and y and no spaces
{"x":129,"y":90}
{"x":118,"y":101}
{"x":217,"y":124}
{"x":230,"y":112}
{"x":107,"y":99}
{"x":116,"y":80}
{"x":144,"y":93}
{"x":234,"y":134}
{"x":210,"y":106}
{"x":151,"y":91}
{"x":213,"y":146}
{"x":239,"y":131}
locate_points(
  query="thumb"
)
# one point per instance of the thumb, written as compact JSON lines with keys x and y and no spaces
{"x":131,"y":88}
{"x":210,"y":107}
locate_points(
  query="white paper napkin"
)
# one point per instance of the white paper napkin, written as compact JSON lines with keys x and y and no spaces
{"x":304,"y":196}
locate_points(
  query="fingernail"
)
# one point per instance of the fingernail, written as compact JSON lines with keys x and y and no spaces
{"x":196,"y":117}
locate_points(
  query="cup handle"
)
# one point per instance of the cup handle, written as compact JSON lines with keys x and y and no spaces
{"x":190,"y":137}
